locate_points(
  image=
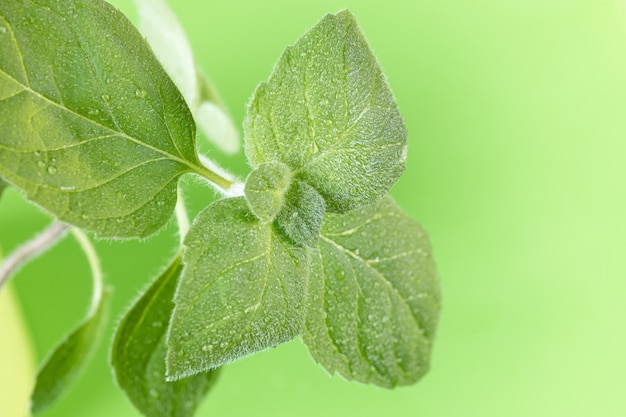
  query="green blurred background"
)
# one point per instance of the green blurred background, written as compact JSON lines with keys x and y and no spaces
{"x":516,"y":114}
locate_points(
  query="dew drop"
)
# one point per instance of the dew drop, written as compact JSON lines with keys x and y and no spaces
{"x":41,"y":164}
{"x":121,"y":195}
{"x":223,"y":345}
{"x":3,"y":29}
{"x":106,"y":97}
{"x":37,"y":153}
{"x":207,"y":348}
{"x":52,"y":170}
{"x":139,"y":93}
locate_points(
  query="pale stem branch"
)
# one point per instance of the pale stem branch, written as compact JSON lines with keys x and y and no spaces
{"x":181,"y":216}
{"x":234,"y":187}
{"x":29,"y":250}
{"x":94,"y":265}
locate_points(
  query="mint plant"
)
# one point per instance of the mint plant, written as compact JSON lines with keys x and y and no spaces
{"x":97,"y":131}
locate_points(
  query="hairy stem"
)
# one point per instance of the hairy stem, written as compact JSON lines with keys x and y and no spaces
{"x":234,"y":187}
{"x":31,"y":249}
{"x":94,"y":265}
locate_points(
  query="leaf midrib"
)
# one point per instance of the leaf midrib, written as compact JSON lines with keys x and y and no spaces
{"x":192,"y":167}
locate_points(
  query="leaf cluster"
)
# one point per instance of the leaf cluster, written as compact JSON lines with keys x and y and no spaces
{"x":98,"y":133}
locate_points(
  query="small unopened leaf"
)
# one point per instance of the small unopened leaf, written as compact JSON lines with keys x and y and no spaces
{"x":265,"y":189}
{"x":243,"y":290}
{"x":93,"y":129}
{"x":138,"y":354}
{"x":301,"y":217}
{"x":328,"y":113}
{"x":373,"y":297}
{"x":69,"y":358}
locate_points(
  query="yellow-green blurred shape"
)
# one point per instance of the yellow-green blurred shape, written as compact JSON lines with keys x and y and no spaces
{"x":16,"y":357}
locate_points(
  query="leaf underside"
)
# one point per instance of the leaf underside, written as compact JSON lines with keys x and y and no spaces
{"x":243,"y":290}
{"x":91,"y":127}
{"x":138,"y":354}
{"x":69,"y":358}
{"x":328,"y":113}
{"x":373,"y":297}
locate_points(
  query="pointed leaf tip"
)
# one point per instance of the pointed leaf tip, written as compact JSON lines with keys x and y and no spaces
{"x":374,"y":297}
{"x":242,"y":290}
{"x":328,"y":113}
{"x":69,"y":358}
{"x":138,"y":354}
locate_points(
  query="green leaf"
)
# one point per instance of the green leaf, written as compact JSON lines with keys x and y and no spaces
{"x":138,"y":354}
{"x":92,"y":128}
{"x":69,"y":358}
{"x":373,"y":297}
{"x":301,"y":217}
{"x":265,"y":189}
{"x":242,"y":290}
{"x":328,"y":113}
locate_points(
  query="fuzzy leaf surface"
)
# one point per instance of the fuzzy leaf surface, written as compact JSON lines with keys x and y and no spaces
{"x":328,"y":113}
{"x":138,"y":354}
{"x":92,"y":128}
{"x":69,"y":358}
{"x":243,"y":290}
{"x":301,"y":217}
{"x":373,"y":297}
{"x":265,"y":189}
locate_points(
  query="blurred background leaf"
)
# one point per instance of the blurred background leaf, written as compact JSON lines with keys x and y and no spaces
{"x":516,"y":118}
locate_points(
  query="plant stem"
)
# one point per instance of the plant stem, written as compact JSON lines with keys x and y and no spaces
{"x":181,"y":216}
{"x":215,"y":178}
{"x":31,"y":249}
{"x":233,"y":187}
{"x":94,"y":264}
